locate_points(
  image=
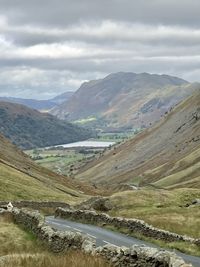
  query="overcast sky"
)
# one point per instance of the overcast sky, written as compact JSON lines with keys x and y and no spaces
{"x":48,"y":47}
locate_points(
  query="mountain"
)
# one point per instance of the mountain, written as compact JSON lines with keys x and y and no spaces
{"x":125,"y":99}
{"x":62,"y":98}
{"x":41,"y":105}
{"x":165,"y":155}
{"x":22,"y":179}
{"x":29,"y":128}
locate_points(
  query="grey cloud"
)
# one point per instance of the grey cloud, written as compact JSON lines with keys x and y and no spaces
{"x":43,"y":85}
{"x":62,"y":12}
{"x":106,"y":33}
{"x":49,"y":46}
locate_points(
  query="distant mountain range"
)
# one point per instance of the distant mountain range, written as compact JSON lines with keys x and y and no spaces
{"x":166,"y":155}
{"x":124,"y":99}
{"x":28,"y":128}
{"x":42,"y":105}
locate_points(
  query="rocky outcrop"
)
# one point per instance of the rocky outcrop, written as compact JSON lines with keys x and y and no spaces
{"x":132,"y":225}
{"x":96,"y":203}
{"x":58,"y":241}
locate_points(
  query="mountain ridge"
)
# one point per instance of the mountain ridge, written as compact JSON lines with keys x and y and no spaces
{"x":120,"y":98}
{"x":41,"y":105}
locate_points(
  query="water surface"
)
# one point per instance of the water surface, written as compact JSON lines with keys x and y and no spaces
{"x":87,"y":144}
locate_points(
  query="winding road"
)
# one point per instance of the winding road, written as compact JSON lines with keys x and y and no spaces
{"x":104,"y":236}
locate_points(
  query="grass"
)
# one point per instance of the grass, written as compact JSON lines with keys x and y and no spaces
{"x":116,"y":137}
{"x":14,"y":240}
{"x":161,"y":208}
{"x":188,"y":248}
{"x":62,"y":161}
{"x":22,"y":186}
{"x":180,"y":176}
{"x":187,"y":167}
{"x":72,"y":259}
{"x":184,"y":247}
{"x":86,"y":120}
{"x":21,"y":249}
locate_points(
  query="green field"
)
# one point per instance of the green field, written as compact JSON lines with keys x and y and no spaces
{"x":115,"y":137}
{"x":62,"y":161}
{"x":68,"y":161}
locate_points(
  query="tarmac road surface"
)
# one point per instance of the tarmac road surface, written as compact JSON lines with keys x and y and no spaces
{"x":104,"y":236}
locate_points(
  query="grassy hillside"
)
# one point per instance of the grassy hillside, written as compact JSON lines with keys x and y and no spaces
{"x":166,"y":155}
{"x":29,"y":128}
{"x":124,"y":100}
{"x":161,"y":208}
{"x":170,"y":210}
{"x":21,"y":178}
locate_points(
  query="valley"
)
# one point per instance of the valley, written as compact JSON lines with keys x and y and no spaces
{"x":99,"y":133}
{"x":150,"y":173}
{"x":166,"y":154}
{"x":67,"y":159}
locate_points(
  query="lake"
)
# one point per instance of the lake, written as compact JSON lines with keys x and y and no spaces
{"x":95,"y":144}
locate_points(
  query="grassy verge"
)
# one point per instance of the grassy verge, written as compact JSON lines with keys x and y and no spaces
{"x":20,"y":249}
{"x":181,"y":246}
{"x":72,"y":259}
{"x":184,"y":247}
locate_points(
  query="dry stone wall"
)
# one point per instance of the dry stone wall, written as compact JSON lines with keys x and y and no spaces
{"x":133,"y":225}
{"x":36,"y":204}
{"x":59,"y":241}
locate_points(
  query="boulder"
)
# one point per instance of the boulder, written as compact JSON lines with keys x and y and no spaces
{"x":96,"y":203}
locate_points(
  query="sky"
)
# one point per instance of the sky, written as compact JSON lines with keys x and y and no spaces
{"x":48,"y":47}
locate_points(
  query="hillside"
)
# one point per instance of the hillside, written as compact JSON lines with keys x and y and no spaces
{"x":166,"y":155}
{"x":29,"y":128}
{"x":21,"y":178}
{"x":41,"y":105}
{"x":62,"y":98}
{"x":125,"y":99}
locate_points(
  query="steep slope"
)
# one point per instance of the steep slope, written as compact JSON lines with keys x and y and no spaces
{"x":29,"y":128}
{"x":21,"y":178}
{"x":41,"y":105}
{"x":62,"y":98}
{"x":125,"y":99}
{"x":166,"y":155}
